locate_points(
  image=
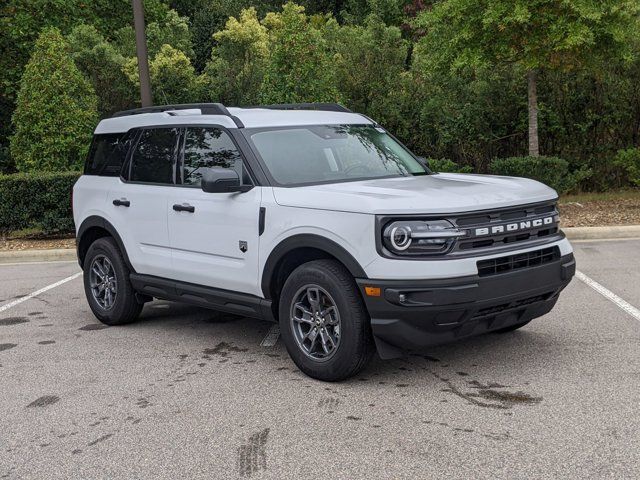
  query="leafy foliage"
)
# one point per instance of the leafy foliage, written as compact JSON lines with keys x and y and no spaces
{"x":446,"y":165}
{"x":37,"y":200}
{"x":173,"y":78}
{"x":369,"y":61}
{"x":452,"y":87}
{"x":629,"y":161}
{"x":235,"y":71}
{"x":534,"y":33}
{"x":101,"y":63}
{"x":21,"y":21}
{"x":56,"y":110}
{"x":551,"y":171}
{"x":299,"y":68}
{"x":171,"y":30}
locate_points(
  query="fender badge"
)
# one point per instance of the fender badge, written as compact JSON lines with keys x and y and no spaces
{"x":243,"y":246}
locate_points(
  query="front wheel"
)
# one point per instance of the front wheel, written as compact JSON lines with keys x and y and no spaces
{"x":107,"y":286}
{"x":323,"y":321}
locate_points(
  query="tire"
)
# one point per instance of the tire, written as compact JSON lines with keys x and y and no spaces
{"x":512,"y":328}
{"x":328,"y":283}
{"x":124,"y":307}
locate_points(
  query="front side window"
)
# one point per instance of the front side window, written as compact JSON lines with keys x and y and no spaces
{"x":332,"y":153}
{"x":153,"y":159}
{"x":206,"y":148}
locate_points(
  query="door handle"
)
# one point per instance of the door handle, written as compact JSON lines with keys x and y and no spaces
{"x":121,"y":202}
{"x":184,"y":208}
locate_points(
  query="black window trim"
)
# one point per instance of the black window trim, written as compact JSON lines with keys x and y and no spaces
{"x":180,"y":159}
{"x":89,"y":158}
{"x":125,"y":174}
{"x":254,"y":167}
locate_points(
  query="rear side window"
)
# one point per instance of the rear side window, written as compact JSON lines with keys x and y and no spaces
{"x":106,"y":155}
{"x":153,"y":159}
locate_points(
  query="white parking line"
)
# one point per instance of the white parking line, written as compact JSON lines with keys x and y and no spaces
{"x":272,"y":336}
{"x":9,"y":305}
{"x":627,"y":307}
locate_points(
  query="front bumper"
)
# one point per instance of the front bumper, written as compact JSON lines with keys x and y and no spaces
{"x":414,"y":314}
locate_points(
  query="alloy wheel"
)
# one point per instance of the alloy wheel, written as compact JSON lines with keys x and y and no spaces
{"x":103,"y":282}
{"x":315,"y":322}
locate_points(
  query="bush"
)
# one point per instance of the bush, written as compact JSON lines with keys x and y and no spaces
{"x":6,"y":162}
{"x":56,"y":110}
{"x":448,"y":166}
{"x":300,"y":67}
{"x":39,"y":201}
{"x":629,"y":162}
{"x":551,"y":171}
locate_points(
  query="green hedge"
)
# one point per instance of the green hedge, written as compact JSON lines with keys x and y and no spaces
{"x":39,"y":201}
{"x":629,"y":162}
{"x":446,"y":165}
{"x":551,"y":171}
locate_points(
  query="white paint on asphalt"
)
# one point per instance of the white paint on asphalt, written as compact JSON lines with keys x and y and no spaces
{"x":9,"y":305}
{"x":608,"y":294}
{"x":272,"y":336}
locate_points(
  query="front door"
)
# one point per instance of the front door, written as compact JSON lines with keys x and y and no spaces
{"x":213,"y":236}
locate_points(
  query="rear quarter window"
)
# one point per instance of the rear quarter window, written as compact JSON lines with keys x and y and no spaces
{"x":106,"y":155}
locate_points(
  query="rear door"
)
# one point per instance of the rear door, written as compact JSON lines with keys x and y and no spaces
{"x":139,"y":202}
{"x":214,"y":236}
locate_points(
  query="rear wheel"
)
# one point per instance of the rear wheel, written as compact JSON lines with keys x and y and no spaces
{"x":106,"y":284}
{"x":323,"y":321}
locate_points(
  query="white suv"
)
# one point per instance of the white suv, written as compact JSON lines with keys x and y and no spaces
{"x":317,"y":218}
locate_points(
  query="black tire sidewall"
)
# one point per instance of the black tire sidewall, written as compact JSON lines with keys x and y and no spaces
{"x":120,"y":312}
{"x":353,"y":317}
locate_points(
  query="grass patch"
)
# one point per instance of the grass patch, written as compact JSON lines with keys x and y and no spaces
{"x":601,"y":197}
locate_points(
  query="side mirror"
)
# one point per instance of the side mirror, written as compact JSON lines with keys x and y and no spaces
{"x":222,"y":180}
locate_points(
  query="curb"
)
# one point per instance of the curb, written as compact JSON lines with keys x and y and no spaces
{"x":48,"y":255}
{"x":69,"y":254}
{"x":602,"y":233}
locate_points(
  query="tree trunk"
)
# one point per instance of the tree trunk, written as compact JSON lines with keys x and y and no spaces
{"x":534,"y":145}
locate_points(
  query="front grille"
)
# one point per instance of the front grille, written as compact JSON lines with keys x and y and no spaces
{"x":494,"y":310}
{"x":496,"y":239}
{"x":510,"y":263}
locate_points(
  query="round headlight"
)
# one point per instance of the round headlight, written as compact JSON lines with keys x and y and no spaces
{"x":420,"y":237}
{"x":400,"y":237}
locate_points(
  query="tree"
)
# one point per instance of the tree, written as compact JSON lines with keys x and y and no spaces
{"x":237,"y":63}
{"x":103,"y":65}
{"x":299,"y":68}
{"x":21,"y":21}
{"x":171,"y":30}
{"x":173,"y":78}
{"x":55,"y":112}
{"x":369,"y":62}
{"x":532,"y":34}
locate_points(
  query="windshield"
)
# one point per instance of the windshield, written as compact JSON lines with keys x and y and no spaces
{"x":332,"y":153}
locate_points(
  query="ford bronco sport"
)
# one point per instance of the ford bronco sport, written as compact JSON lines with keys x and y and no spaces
{"x":315,"y":217}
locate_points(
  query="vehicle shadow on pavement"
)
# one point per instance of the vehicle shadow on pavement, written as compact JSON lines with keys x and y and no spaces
{"x":515,"y":353}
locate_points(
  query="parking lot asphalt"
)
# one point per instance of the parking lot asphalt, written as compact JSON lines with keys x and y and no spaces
{"x":191,"y":393}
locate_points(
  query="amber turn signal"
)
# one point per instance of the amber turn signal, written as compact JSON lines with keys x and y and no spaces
{"x":372,"y":291}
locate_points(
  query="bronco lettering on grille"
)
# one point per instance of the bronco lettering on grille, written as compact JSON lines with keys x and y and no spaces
{"x":516,"y":226}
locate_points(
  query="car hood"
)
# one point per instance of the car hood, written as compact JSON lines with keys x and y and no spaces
{"x":429,"y":194}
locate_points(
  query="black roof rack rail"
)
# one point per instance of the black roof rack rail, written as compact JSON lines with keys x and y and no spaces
{"x":326,"y":107}
{"x":205,"y":109}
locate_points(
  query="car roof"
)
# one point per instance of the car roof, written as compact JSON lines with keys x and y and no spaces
{"x":248,"y":118}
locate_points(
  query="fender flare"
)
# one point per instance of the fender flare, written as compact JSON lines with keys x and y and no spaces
{"x":97,"y":221}
{"x":311,"y":241}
